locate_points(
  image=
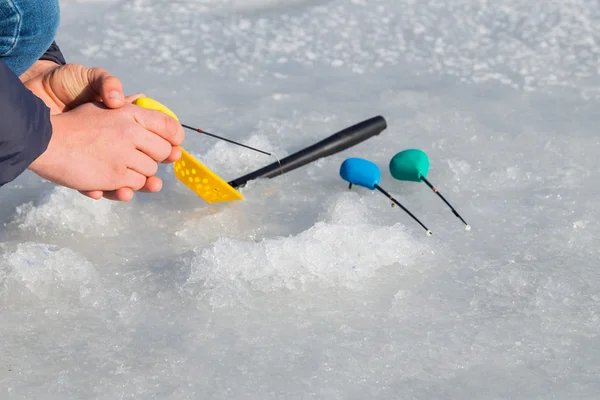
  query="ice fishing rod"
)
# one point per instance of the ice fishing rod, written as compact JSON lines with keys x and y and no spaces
{"x":212,"y":188}
{"x":361,"y":172}
{"x":413,"y":165}
{"x":335,"y":143}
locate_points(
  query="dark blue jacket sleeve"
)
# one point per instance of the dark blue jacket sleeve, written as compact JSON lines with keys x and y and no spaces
{"x":54,"y":54}
{"x":25,"y":128}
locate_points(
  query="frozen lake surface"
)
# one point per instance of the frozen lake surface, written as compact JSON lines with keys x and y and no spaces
{"x":306,"y":289}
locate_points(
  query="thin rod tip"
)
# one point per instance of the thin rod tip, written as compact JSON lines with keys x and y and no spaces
{"x":467,"y":227}
{"x":429,"y":233}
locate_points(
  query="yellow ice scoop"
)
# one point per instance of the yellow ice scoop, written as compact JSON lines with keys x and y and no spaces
{"x":195,"y":175}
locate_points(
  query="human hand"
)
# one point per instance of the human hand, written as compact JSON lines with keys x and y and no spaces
{"x":110,"y":150}
{"x":66,"y":87}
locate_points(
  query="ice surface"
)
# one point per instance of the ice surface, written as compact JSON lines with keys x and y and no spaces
{"x":306,"y":289}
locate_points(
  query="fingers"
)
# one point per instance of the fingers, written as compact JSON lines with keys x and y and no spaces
{"x":161,"y":124}
{"x":153,"y":184}
{"x":141,"y":163}
{"x":132,"y":179}
{"x":107,"y":86}
{"x":126,"y":193}
{"x":93,"y":194}
{"x":138,"y":183}
{"x":134,"y":97}
{"x":161,"y":137}
{"x":140,"y":175}
{"x":152,"y":145}
{"x":123,"y":194}
{"x":174,"y":156}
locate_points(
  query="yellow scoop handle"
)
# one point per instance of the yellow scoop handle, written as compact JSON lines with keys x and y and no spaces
{"x":195,"y":175}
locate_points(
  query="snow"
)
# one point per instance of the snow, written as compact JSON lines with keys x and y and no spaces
{"x":306,"y":289}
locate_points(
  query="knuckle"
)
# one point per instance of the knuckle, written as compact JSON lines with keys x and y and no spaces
{"x":118,"y":176}
{"x":171,"y":128}
{"x":128,"y":133}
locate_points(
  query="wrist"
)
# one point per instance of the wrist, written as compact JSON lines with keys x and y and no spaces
{"x":42,"y":163}
{"x":39,"y":87}
{"x":38,"y":68}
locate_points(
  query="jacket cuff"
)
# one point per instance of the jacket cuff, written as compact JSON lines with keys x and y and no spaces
{"x":54,"y":54}
{"x":25,"y":126}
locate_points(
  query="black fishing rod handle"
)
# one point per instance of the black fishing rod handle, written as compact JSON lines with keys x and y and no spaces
{"x":335,"y":143}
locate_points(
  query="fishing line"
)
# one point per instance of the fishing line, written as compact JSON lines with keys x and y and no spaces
{"x":361,"y":172}
{"x":279,"y":162}
{"x":222,"y":138}
{"x":412,"y":165}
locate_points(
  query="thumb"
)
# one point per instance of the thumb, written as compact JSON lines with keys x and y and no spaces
{"x":107,"y":86}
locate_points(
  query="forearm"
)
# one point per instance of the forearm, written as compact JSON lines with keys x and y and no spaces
{"x":25,"y":128}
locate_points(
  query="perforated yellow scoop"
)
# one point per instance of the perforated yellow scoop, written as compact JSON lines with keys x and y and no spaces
{"x":195,"y":175}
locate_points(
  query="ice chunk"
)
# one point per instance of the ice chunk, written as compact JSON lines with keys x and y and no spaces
{"x":37,"y":270}
{"x":66,"y":210}
{"x":342,"y":250}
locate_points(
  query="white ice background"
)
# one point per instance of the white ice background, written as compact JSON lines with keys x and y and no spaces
{"x":306,"y":289}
